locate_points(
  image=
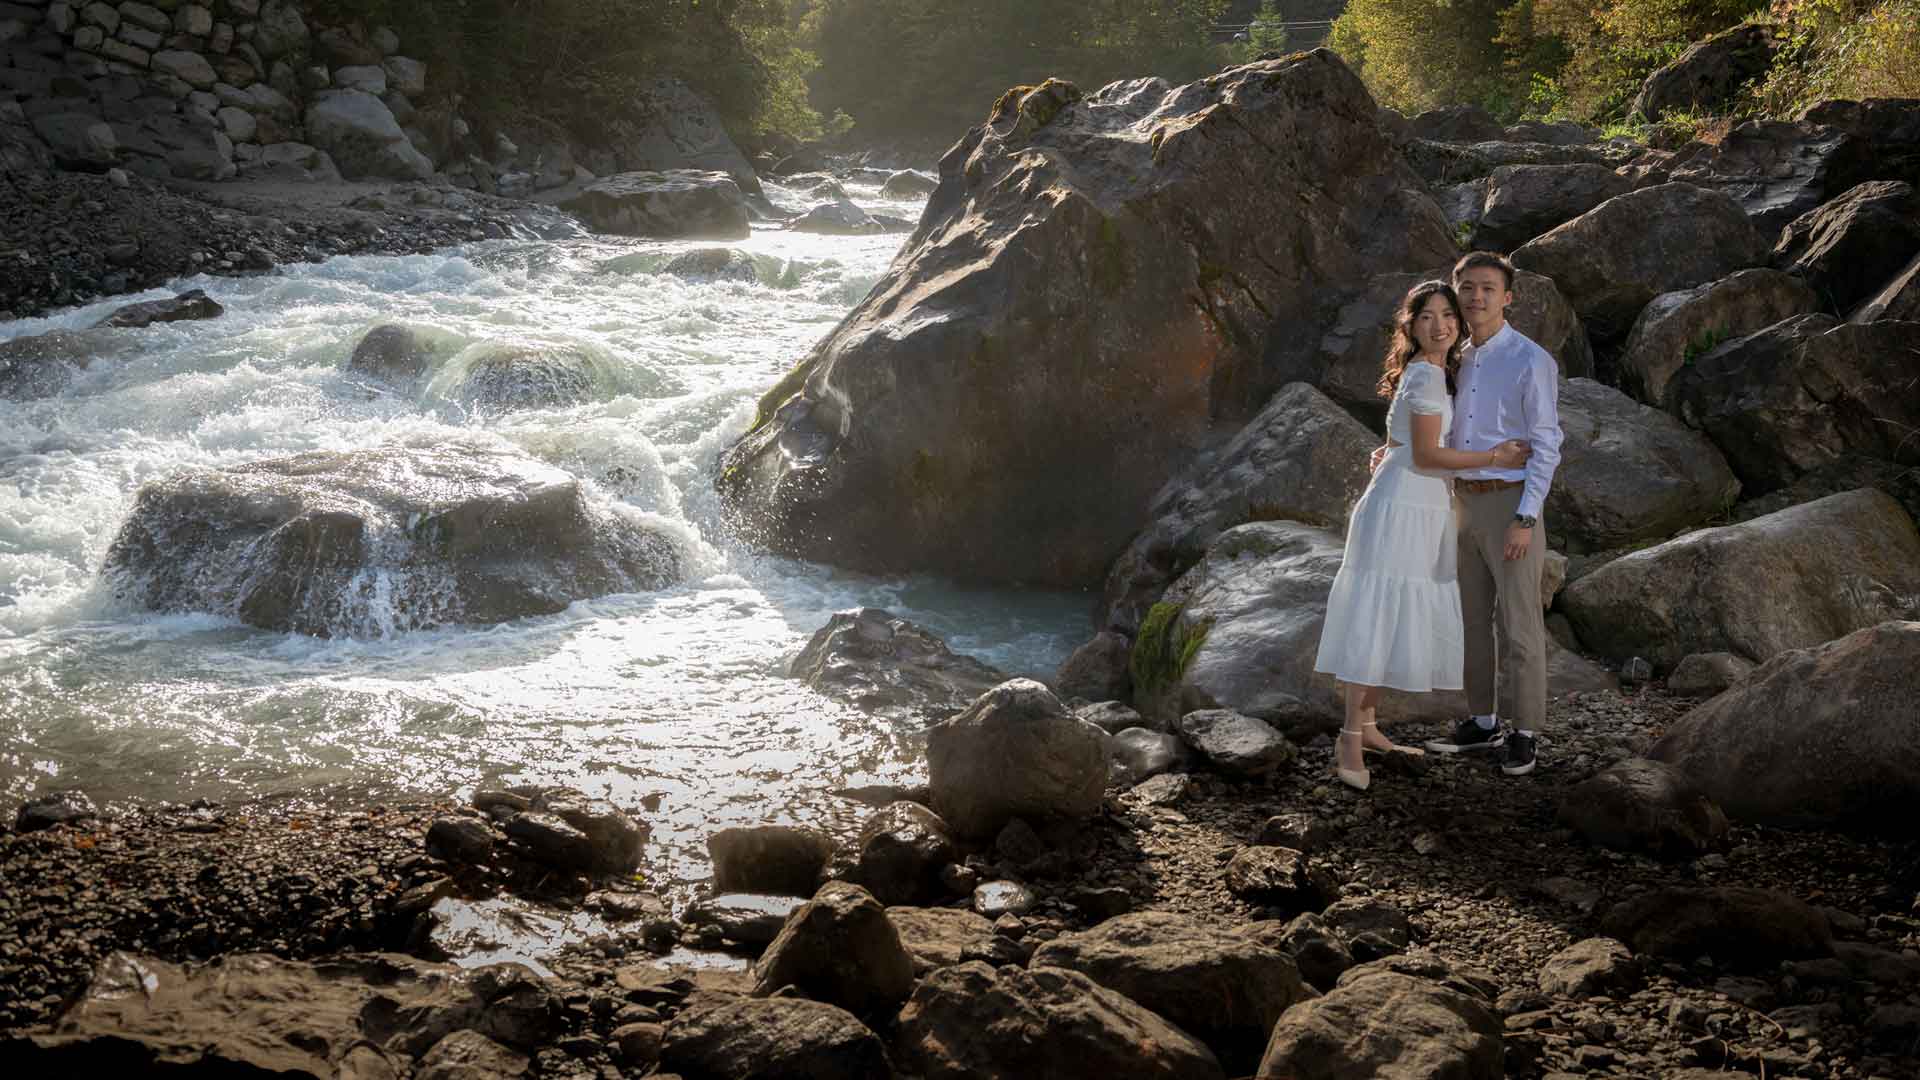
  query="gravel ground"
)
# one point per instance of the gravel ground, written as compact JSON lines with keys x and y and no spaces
{"x":1475,"y":859}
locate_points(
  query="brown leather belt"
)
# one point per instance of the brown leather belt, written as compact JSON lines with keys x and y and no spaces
{"x":1481,"y":487}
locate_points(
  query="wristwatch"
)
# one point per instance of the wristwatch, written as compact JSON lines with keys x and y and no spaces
{"x":1525,"y":521}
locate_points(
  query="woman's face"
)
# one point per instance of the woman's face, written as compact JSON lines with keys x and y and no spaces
{"x":1436,"y":327}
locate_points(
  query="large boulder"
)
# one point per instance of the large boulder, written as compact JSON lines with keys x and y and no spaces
{"x":968,"y":419}
{"x":972,"y":1022}
{"x":510,"y":375}
{"x":665,"y":205}
{"x":1223,"y":988}
{"x":1352,"y":350}
{"x":358,"y":132}
{"x":1616,"y":257}
{"x":1303,"y":459}
{"x":780,"y":859}
{"x":1848,"y":248}
{"x":1706,"y":76}
{"x":1678,"y":326}
{"x":371,"y":542}
{"x":1775,"y":170}
{"x":1791,"y":579}
{"x":899,"y":854}
{"x":1457,"y":124}
{"x":1379,"y":1022}
{"x":278,"y":30}
{"x":1898,"y":299}
{"x":838,"y":947}
{"x":675,"y":128}
{"x":1442,"y":163}
{"x":771,"y":1039}
{"x":937,"y":937}
{"x":1741,"y":928}
{"x":842,"y":218}
{"x":886,"y":664}
{"x":1015,"y":752}
{"x":1886,"y":130}
{"x":1820,"y":736}
{"x":1629,"y":473}
{"x":1803,"y":394}
{"x":1524,"y":201}
{"x":41,"y":365}
{"x":1642,"y":805}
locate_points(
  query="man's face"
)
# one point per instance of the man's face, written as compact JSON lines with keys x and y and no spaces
{"x":1483,"y":296}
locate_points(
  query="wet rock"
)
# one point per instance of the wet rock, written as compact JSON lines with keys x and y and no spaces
{"x":1678,"y":326}
{"x":371,"y":542}
{"x":1706,"y":674}
{"x":839,"y":948}
{"x":1589,"y":967}
{"x":1739,"y":928}
{"x":725,"y":264}
{"x":1821,"y":736}
{"x":391,"y":352}
{"x":69,"y":807}
{"x":1848,"y":248}
{"x":886,"y":664}
{"x":551,"y":840}
{"x":1614,"y":259}
{"x":1706,"y":76}
{"x":908,"y":184}
{"x":984,"y":415}
{"x":900,"y":854}
{"x":1237,"y":745}
{"x":1015,"y":752}
{"x":772,"y":1039}
{"x":42,"y":365}
{"x":941,"y":937}
{"x":1384,"y":1023}
{"x":843,"y":218}
{"x":1643,"y":805}
{"x":743,"y":917}
{"x":192,"y":304}
{"x":1831,"y":567}
{"x":775,"y":859}
{"x":616,"y":838}
{"x":502,"y":375}
{"x":1097,"y":671}
{"x":972,"y":1022}
{"x":1139,"y":753}
{"x":665,"y":205}
{"x":1111,"y":717}
{"x":993,"y":899}
{"x":461,"y":839}
{"x":1629,"y":473}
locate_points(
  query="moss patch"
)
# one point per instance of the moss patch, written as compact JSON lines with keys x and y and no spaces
{"x":1163,"y":649}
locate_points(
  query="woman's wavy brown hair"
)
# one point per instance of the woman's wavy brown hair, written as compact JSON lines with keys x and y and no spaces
{"x":1402,"y":348}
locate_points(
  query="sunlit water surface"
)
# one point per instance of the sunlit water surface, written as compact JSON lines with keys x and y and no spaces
{"x":672,"y":703}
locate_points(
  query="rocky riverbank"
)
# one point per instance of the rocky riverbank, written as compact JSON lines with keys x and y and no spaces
{"x":1444,"y":860}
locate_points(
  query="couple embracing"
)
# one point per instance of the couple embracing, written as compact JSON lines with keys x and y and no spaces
{"x":1445,"y":548}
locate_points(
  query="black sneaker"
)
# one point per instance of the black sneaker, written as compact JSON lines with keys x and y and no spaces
{"x":1520,"y":754}
{"x":1468,"y":736}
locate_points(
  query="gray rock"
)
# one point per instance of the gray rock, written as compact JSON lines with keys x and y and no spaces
{"x":291,"y":161}
{"x":1848,"y":248}
{"x":843,"y":218}
{"x":190,"y":305}
{"x":41,"y":365}
{"x":677,"y":129}
{"x":1363,"y":915}
{"x":900,"y":853}
{"x":1590,"y":967}
{"x":189,"y":67}
{"x":993,"y":899}
{"x":1223,"y":988}
{"x":973,"y":1022}
{"x":778,"y":859}
{"x":1111,"y":717}
{"x":459,"y":838}
{"x":839,"y":948}
{"x":500,"y":376}
{"x":69,"y":807}
{"x":239,"y":124}
{"x":748,"y":918}
{"x":1829,"y":568}
{"x":359,"y":133}
{"x":771,"y":1039}
{"x":1275,"y":877}
{"x":405,"y":75}
{"x":1820,"y":736}
{"x":886,"y":664}
{"x":1097,"y":671}
{"x":1898,"y":299}
{"x":1706,"y":674}
{"x":684,"y":203}
{"x":393,"y":353}
{"x":1015,"y":752}
{"x":1524,"y":201}
{"x":1319,"y":953}
{"x":1642,"y":805}
{"x":370,"y":79}
{"x":1139,"y":753}
{"x":1678,"y":326}
{"x":279,"y":30}
{"x":1385,"y":1023}
{"x":1739,"y":928}
{"x":1775,"y":170}
{"x":1235,"y":744}
{"x":725,"y":264}
{"x":1295,"y":829}
{"x":1706,"y":77}
{"x":941,"y":937}
{"x":908,"y":184}
{"x":550,"y":839}
{"x":77,"y":140}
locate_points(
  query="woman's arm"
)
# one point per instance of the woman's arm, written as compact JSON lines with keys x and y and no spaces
{"x":1429,"y":454}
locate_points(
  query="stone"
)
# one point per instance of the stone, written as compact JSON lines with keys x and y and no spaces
{"x":384,"y":39}
{"x":370,"y":79}
{"x":104,"y":16}
{"x":1385,"y":1023}
{"x":359,"y":133}
{"x":1223,"y":988}
{"x":392,"y":353}
{"x":885,"y":664}
{"x":1588,"y":968}
{"x":41,"y":365}
{"x":1820,"y":736}
{"x":190,"y":305}
{"x":724,"y":264}
{"x":973,"y":1022}
{"x":638,"y":1044}
{"x":499,"y":376}
{"x":1112,"y":717}
{"x":1801,"y":395}
{"x":771,"y":1039}
{"x":900,"y":853}
{"x":140,"y":37}
{"x":1614,"y":259}
{"x":406,"y":75}
{"x":908,"y":184}
{"x":1848,"y":248}
{"x":665,"y":205}
{"x":1898,"y":299}
{"x":993,"y":899}
{"x":994,"y":405}
{"x":1742,"y":929}
{"x":1643,"y":805}
{"x":1629,"y":473}
{"x":279,"y":30}
{"x":1707,"y":674}
{"x":1300,"y":831}
{"x":1302,"y":458}
{"x":469,"y":1055}
{"x":1242,"y":746}
{"x":843,"y":218}
{"x":1829,"y":567}
{"x":1457,"y":123}
{"x":459,"y":838}
{"x":1015,"y":752}
{"x":1774,"y":169}
{"x":193,"y":19}
{"x":291,"y":161}
{"x":1139,"y":753}
{"x":68,"y":807}
{"x":1524,"y":201}
{"x":779,"y":859}
{"x":372,"y":542}
{"x":941,"y":937}
{"x":1275,"y":877}
{"x":1320,"y":954}
{"x":1679,"y":326}
{"x":1359,"y":916}
{"x":1097,"y":671}
{"x":550,"y":839}
{"x":239,"y":124}
{"x":1441,"y":164}
{"x":839,"y":948}
{"x":1705,"y":78}
{"x":77,"y":140}
{"x":747,"y":918}
{"x":1352,"y":349}
{"x":674,"y":128}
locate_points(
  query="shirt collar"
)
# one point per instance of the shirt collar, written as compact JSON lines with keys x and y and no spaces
{"x":1506,"y":328}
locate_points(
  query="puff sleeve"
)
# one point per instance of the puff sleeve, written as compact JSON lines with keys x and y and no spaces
{"x":1425,"y":388}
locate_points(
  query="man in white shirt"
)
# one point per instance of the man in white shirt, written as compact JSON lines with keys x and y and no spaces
{"x":1508,"y":388}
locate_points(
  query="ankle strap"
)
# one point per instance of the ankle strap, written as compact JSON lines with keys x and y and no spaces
{"x":1350,"y":731}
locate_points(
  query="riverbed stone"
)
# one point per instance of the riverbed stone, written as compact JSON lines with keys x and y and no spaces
{"x":955,"y":399}
{"x":190,"y":305}
{"x":769,"y":859}
{"x":359,"y":133}
{"x":748,"y":918}
{"x":1238,"y":745}
{"x":1898,"y":299}
{"x":665,"y":205}
{"x":771,"y":1039}
{"x":1097,"y":671}
{"x":1848,"y":248}
{"x":1386,"y":1023}
{"x":899,"y":854}
{"x":886,"y":664}
{"x":41,"y":365}
{"x":1741,"y":928}
{"x":840,"y":948}
{"x":1776,"y":170}
{"x":937,"y":937}
{"x":1706,"y":76}
{"x":1644,"y":805}
{"x":1590,"y":966}
{"x":1706,"y":674}
{"x":1139,"y":753}
{"x":1015,"y":752}
{"x":675,"y":128}
{"x":1276,"y":877}
{"x":1525,"y":201}
{"x":68,"y":807}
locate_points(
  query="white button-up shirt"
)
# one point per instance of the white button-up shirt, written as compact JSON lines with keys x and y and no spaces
{"x":1509,"y":388}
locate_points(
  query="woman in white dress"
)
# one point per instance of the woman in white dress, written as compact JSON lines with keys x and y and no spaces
{"x":1393,"y":617}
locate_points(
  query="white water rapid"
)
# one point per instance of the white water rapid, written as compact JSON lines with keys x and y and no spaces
{"x":673,"y":703}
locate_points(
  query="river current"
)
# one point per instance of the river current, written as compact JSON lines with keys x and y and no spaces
{"x":675,"y":703}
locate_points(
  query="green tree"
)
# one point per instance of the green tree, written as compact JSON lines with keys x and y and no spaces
{"x":1266,"y":33}
{"x":1420,"y":54}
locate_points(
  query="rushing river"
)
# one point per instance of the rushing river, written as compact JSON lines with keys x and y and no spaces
{"x":674,"y":703}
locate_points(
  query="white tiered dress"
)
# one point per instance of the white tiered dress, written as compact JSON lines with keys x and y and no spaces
{"x":1393,"y":617}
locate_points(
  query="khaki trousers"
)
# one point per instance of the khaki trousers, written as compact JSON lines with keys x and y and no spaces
{"x":1496,"y":593}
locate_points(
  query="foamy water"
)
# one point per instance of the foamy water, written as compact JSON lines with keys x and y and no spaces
{"x":673,"y":703}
